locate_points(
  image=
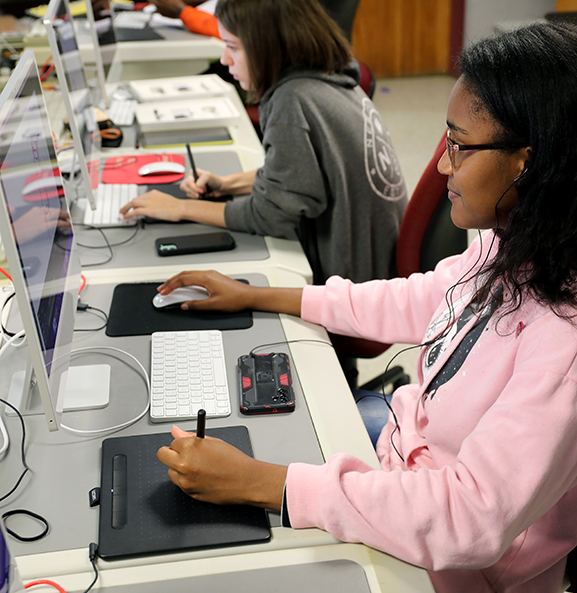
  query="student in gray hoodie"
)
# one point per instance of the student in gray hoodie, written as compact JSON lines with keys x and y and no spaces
{"x":330,"y":170}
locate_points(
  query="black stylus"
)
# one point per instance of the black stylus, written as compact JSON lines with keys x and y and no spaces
{"x":191,"y":159}
{"x":201,"y":423}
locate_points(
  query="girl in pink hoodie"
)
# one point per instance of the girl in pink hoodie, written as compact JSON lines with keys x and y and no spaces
{"x":478,"y":478}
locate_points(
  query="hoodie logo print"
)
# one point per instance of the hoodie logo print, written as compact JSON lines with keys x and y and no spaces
{"x":381,"y":164}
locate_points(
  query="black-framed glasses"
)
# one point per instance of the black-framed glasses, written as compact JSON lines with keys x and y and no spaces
{"x":453,"y":148}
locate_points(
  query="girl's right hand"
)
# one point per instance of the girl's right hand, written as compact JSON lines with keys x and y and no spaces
{"x":208,"y":185}
{"x":225,"y":293}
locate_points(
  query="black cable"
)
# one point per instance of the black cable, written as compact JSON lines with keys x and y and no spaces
{"x":251,"y":353}
{"x":108,"y":245}
{"x":22,"y":450}
{"x":137,"y":228}
{"x":92,"y":551}
{"x":4,"y":330}
{"x":22,"y":538}
{"x":84,"y":307}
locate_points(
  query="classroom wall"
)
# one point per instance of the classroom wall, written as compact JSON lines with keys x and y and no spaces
{"x":481,"y":16}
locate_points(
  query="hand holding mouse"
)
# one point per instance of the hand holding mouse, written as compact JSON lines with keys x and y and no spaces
{"x":208,"y":185}
{"x":225,"y":294}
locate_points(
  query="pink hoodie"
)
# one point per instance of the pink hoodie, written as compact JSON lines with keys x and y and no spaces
{"x":486,"y":499}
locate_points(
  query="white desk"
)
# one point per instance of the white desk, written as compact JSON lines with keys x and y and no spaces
{"x":284,"y":254}
{"x":338,"y":427}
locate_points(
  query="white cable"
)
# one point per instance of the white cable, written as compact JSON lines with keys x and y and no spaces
{"x":3,"y":432}
{"x":124,"y":424}
{"x":5,"y":438}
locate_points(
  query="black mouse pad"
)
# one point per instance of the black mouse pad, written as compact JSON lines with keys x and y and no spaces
{"x":143,"y":512}
{"x":133,"y":314}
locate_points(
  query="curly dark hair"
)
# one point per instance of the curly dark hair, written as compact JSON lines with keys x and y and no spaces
{"x":526,"y":80}
{"x":278,"y":34}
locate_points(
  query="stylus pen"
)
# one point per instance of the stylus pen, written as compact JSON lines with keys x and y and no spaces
{"x":192,"y":165}
{"x":200,"y":424}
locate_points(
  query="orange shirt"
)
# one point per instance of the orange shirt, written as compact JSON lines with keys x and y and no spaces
{"x":198,"y":21}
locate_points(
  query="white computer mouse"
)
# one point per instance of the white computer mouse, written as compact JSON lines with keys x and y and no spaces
{"x":41,"y":184}
{"x":121,"y":95}
{"x":161,"y":168}
{"x":179,"y":296}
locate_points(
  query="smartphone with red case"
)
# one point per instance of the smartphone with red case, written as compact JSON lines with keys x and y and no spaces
{"x":265,"y":384}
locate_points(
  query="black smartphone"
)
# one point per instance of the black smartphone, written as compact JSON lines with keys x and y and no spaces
{"x":265,"y":384}
{"x":200,"y":243}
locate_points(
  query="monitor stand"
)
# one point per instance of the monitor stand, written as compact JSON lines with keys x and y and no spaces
{"x":87,"y":388}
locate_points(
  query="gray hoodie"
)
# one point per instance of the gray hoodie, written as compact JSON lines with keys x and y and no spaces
{"x":330,"y":173}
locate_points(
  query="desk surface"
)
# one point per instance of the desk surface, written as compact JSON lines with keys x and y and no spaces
{"x":56,"y":457}
{"x":337,"y":427}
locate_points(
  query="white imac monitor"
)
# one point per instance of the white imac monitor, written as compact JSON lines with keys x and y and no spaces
{"x":78,"y":99}
{"x":38,"y":236}
{"x":102,"y":39}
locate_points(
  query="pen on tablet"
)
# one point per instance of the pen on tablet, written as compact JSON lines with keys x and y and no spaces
{"x":201,"y":422}
{"x":192,"y":165}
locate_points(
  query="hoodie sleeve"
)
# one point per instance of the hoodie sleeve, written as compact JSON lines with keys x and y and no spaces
{"x":281,"y":194}
{"x":516,"y":464}
{"x":389,"y":311}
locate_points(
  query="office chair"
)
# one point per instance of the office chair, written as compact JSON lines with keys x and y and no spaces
{"x":343,"y":12}
{"x":426,"y":236}
{"x":571,"y":570}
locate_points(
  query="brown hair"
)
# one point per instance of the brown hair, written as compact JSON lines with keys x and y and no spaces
{"x":277,"y":34}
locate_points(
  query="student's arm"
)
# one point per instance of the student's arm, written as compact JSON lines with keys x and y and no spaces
{"x":157,"y":204}
{"x":209,"y":185}
{"x":211,"y":470}
{"x":230,"y":295}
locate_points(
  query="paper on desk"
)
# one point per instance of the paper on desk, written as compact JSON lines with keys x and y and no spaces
{"x":164,"y":21}
{"x":208,"y":6}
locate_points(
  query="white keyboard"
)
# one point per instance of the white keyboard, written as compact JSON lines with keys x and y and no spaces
{"x":187,"y":374}
{"x":131,"y":19}
{"x":122,"y":112}
{"x":109,"y":199}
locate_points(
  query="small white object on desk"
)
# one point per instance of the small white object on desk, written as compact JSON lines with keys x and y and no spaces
{"x":177,"y":88}
{"x":179,"y":296}
{"x":161,"y":168}
{"x":179,"y":115}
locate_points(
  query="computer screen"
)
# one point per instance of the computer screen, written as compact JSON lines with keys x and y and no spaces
{"x":9,"y":578}
{"x":78,"y":98}
{"x":37,"y":234}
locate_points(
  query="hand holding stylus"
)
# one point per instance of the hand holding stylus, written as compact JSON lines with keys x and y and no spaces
{"x":211,"y":470}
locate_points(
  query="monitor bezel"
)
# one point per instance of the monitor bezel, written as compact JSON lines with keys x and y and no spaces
{"x":52,"y":389}
{"x":97,"y":52}
{"x":49,"y":24}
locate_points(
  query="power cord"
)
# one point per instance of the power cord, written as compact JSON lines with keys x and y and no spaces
{"x":3,"y":431}
{"x":85,"y":307}
{"x":108,"y":245}
{"x":109,"y":429}
{"x":92,"y":553}
{"x":22,"y":451}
